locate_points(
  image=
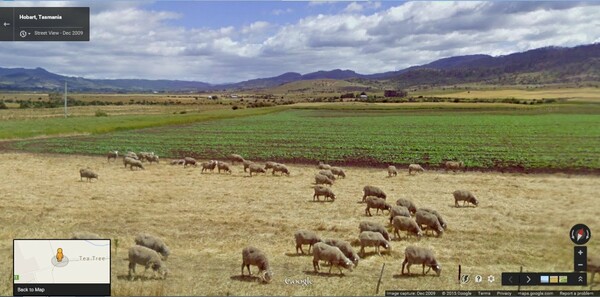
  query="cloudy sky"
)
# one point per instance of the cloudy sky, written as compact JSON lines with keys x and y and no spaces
{"x":229,"y":41}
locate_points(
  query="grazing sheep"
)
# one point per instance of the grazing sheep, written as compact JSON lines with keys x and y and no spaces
{"x":593,"y":266}
{"x":131,"y":155}
{"x":236,"y":158}
{"x":346,"y":248}
{"x":438,"y":215}
{"x":408,"y":204}
{"x":223,"y":166}
{"x":377,"y":203}
{"x":409,"y":225}
{"x":331,"y":254}
{"x":338,"y":171}
{"x":323,"y":191}
{"x":256,"y":168}
{"x":154,"y":243}
{"x":128,"y":160}
{"x":453,"y":165}
{"x":415,"y":168}
{"x":143,"y":156}
{"x":370,"y":238}
{"x":135,"y":163}
{"x":152,"y":158}
{"x":148,"y":257}
{"x":323,"y":180}
{"x":189,"y":161}
{"x":305,"y":237}
{"x":87,"y":173}
{"x":323,"y":166}
{"x":209,"y":165}
{"x":375,"y":227}
{"x":270,"y":165}
{"x":112,"y":155}
{"x":464,"y":196}
{"x":419,"y":255}
{"x":373,"y":191}
{"x":281,"y":168}
{"x":178,"y":162}
{"x":254,"y":256}
{"x":85,"y":235}
{"x":327,"y":173}
{"x":392,"y":171}
{"x":247,"y":164}
{"x":399,"y":210}
{"x":430,"y":221}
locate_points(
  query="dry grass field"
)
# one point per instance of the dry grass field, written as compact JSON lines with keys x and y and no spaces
{"x":207,"y":219}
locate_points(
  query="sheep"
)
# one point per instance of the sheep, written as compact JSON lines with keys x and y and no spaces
{"x":338,"y":171}
{"x":85,"y":235}
{"x":281,"y":168}
{"x":430,"y":221}
{"x":178,"y":162}
{"x":128,"y":160}
{"x":148,"y":257}
{"x":373,"y":191}
{"x":375,"y":227}
{"x":407,"y":224}
{"x":131,"y":155}
{"x":370,"y":238}
{"x":323,"y":166}
{"x":87,"y":173}
{"x":254,"y":256}
{"x":247,"y":164}
{"x":256,"y":168}
{"x":419,"y":255}
{"x":377,"y":203}
{"x":323,"y":180}
{"x":112,"y":155}
{"x":209,"y":165}
{"x":392,"y":171}
{"x":327,"y":173}
{"x":135,"y":163}
{"x":415,"y":168}
{"x":189,"y":161}
{"x":154,"y":243}
{"x":399,"y":210}
{"x":453,"y":165}
{"x":331,"y":254}
{"x":346,"y":248}
{"x":593,"y":266}
{"x":408,"y":204}
{"x":143,"y":156}
{"x":152,"y":158}
{"x":305,"y":237}
{"x":464,"y":196}
{"x":270,"y":165}
{"x":438,"y":215}
{"x":223,"y":166}
{"x":236,"y":158}
{"x":323,"y":191}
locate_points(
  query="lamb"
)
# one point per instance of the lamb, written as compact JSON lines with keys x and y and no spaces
{"x":346,"y":248}
{"x":338,"y":171}
{"x":377,"y":203}
{"x":281,"y":168}
{"x":327,"y":173}
{"x":112,"y":155}
{"x":247,"y":164}
{"x":256,"y":168}
{"x":407,"y":224}
{"x":189,"y":161}
{"x":270,"y":165}
{"x":415,"y":168}
{"x":254,"y":256}
{"x":399,"y":210}
{"x":323,"y":191}
{"x":464,"y":196}
{"x":236,"y":158}
{"x":223,"y":166}
{"x":375,"y":227}
{"x":373,"y":191}
{"x":87,"y":173}
{"x":370,"y":238}
{"x":154,"y":243}
{"x":438,"y":215}
{"x":419,"y":255}
{"x":392,"y":171}
{"x":85,"y":235}
{"x":152,"y":158}
{"x":430,"y":221}
{"x":408,"y":204}
{"x":209,"y":165}
{"x":323,"y":166}
{"x":593,"y":266}
{"x":331,"y":254}
{"x":178,"y":162}
{"x":305,"y":237}
{"x":323,"y":180}
{"x":453,"y":165}
{"x":148,"y":257}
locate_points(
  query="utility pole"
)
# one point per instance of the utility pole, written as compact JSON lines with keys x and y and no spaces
{"x":65,"y":99}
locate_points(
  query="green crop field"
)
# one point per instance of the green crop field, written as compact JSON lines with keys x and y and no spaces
{"x":365,"y":137}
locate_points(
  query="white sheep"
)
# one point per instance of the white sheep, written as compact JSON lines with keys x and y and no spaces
{"x":373,"y":191}
{"x":407,"y":224}
{"x":148,"y":258}
{"x":430,"y":221}
{"x":223,"y":166}
{"x":392,"y":171}
{"x":419,"y":255}
{"x":375,"y":239}
{"x":453,"y":165}
{"x":236,"y":158}
{"x":408,"y":204}
{"x":256,"y":169}
{"x":399,"y":210}
{"x":323,"y":166}
{"x":254,"y":256}
{"x":377,"y":203}
{"x":153,"y":242}
{"x":323,"y":191}
{"x":338,"y":171}
{"x":331,"y":254}
{"x":346,"y":248}
{"x":375,"y":227}
{"x":85,"y":235}
{"x":327,"y":173}
{"x":415,"y":168}
{"x":87,"y":173}
{"x":305,"y":237}
{"x":464,"y":196}
{"x":323,"y":180}
{"x":112,"y":155}
{"x":281,"y":168}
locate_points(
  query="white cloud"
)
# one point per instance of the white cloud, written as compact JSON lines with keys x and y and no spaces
{"x":353,"y":7}
{"x":281,"y":11}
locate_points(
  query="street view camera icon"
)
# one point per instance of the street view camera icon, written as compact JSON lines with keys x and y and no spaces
{"x":580,"y":234}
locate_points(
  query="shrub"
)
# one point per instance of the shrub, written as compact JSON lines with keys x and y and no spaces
{"x":183,"y":112}
{"x":234,"y":107}
{"x":100,"y":113}
{"x":3,"y":105}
